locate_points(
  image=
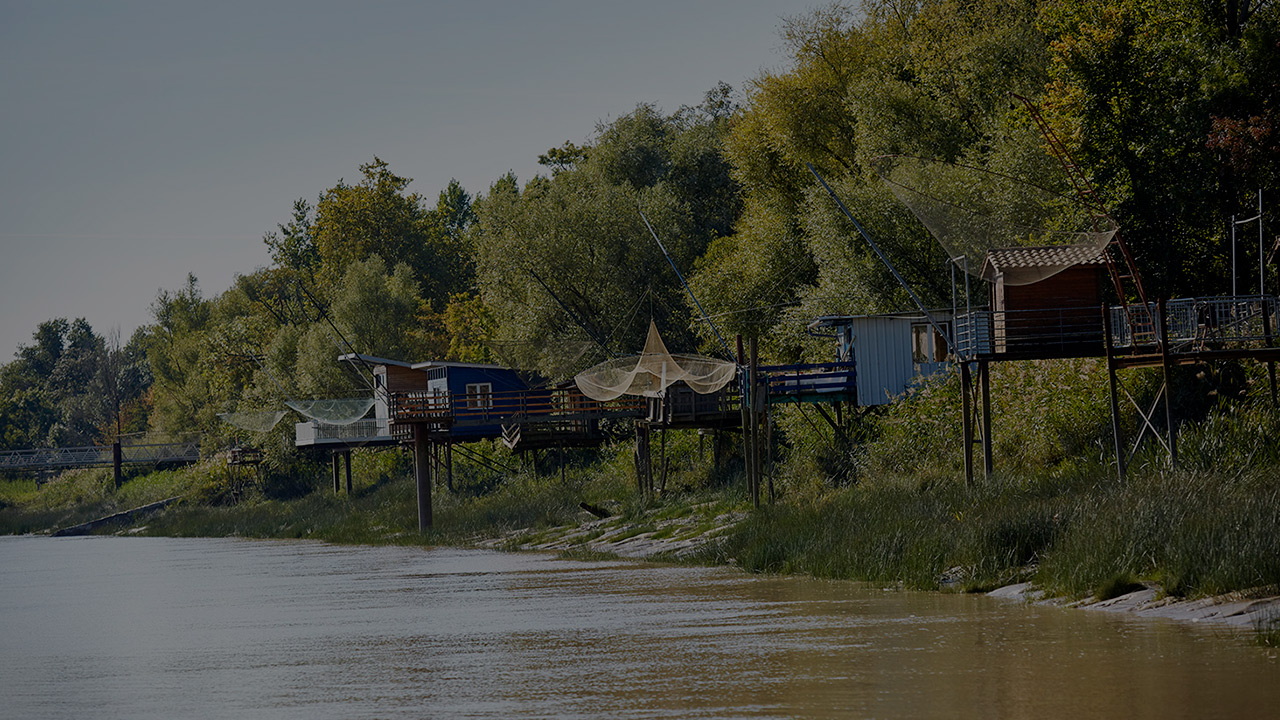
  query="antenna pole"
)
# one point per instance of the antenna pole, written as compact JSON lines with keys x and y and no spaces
{"x":876,"y":248}
{"x":1233,"y":256}
{"x":667,"y":255}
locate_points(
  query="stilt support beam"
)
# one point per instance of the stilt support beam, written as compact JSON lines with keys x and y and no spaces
{"x":422,"y":474}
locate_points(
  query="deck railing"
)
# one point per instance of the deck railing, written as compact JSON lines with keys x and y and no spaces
{"x":507,"y":407}
{"x":790,"y":383}
{"x":313,"y":432}
{"x":1048,"y":332}
{"x":1197,"y":323}
{"x":680,"y":404}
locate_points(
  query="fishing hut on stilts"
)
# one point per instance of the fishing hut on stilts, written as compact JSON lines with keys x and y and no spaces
{"x":1045,"y":258}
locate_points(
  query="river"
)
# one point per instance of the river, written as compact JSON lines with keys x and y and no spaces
{"x":126,"y":627}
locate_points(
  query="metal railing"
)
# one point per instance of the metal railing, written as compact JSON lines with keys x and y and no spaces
{"x":1046,"y":331}
{"x":1197,"y":323}
{"x":135,"y":453}
{"x":313,"y":432}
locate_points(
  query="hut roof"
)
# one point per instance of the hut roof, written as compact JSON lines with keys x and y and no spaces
{"x":1038,"y":262}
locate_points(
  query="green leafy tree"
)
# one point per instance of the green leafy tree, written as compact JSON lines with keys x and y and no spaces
{"x":924,"y":79}
{"x":1169,"y":105}
{"x":566,"y":268}
{"x":377,"y":217}
{"x":178,"y":351}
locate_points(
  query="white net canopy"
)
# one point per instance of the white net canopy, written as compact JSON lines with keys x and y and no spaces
{"x":253,"y":420}
{"x":653,"y":371}
{"x":334,"y":411}
{"x":973,"y":212}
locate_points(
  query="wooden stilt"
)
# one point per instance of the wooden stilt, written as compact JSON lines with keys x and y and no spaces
{"x":984,"y":380}
{"x":1116,"y":433}
{"x":448,"y":465}
{"x":768,"y":443}
{"x":744,"y":403}
{"x":1271,"y":364}
{"x":966,"y":402}
{"x":117,"y":462}
{"x":715,"y":449}
{"x":644,"y":464}
{"x":346,"y":459}
{"x":337,"y":476}
{"x":756,"y":399}
{"x":662,"y":463}
{"x":421,"y":474}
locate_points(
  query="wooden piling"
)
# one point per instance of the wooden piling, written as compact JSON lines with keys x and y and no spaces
{"x":346,"y":460}
{"x":1115,"y":392}
{"x":422,"y":474}
{"x":1166,"y":368}
{"x":754,"y":374}
{"x":448,"y":465}
{"x":117,"y":462}
{"x":984,"y":380}
{"x":966,"y":401}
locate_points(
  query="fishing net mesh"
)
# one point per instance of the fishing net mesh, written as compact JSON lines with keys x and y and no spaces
{"x":653,"y":371}
{"x":972,"y":211}
{"x":334,"y":411}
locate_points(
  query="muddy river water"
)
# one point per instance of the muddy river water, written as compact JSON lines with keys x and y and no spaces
{"x":111,"y":627}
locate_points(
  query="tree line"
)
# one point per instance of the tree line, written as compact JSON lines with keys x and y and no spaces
{"x":1169,"y":107}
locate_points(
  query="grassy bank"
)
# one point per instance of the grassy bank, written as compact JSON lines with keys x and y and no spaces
{"x":885,"y":503}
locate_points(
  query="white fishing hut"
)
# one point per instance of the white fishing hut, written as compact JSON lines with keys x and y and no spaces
{"x":891,"y":351}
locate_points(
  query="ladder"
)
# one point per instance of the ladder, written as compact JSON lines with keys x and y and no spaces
{"x":1116,"y":254}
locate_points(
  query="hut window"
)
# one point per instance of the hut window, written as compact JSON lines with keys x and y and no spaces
{"x":920,"y":343}
{"x":479,"y":395}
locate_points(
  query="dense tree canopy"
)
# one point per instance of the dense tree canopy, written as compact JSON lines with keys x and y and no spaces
{"x":1169,"y":108}
{"x":566,"y":267}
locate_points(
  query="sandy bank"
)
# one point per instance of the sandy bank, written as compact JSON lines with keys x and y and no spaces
{"x":1241,"y":609}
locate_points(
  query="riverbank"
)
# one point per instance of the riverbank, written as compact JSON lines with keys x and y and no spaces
{"x":692,"y":538}
{"x":1077,"y":533}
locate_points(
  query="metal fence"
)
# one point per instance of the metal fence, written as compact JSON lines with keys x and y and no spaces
{"x":1197,"y":323}
{"x":133,"y":451}
{"x":314,"y":432}
{"x":1048,"y":332}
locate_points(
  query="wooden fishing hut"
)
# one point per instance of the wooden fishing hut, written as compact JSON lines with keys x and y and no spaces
{"x":319,"y":437}
{"x":436,"y":404}
{"x":1045,"y":303}
{"x":1049,"y":303}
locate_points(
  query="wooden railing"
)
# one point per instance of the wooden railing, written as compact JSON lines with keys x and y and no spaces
{"x":794,"y":383}
{"x":507,"y":407}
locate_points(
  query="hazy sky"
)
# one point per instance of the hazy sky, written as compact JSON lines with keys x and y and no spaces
{"x":143,"y":141}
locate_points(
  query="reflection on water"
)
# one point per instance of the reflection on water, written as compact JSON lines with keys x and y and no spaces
{"x":141,"y":627}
